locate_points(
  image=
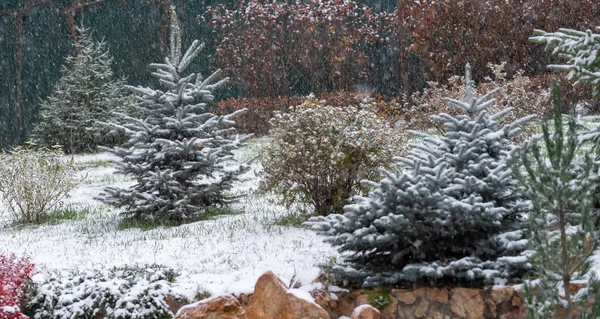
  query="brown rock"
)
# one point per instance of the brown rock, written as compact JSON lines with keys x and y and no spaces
{"x":434,"y":314}
{"x":438,"y":295}
{"x":405,"y":312}
{"x":516,"y":301}
{"x":516,"y":314}
{"x":492,"y":307}
{"x":243,"y":299}
{"x":420,"y":292}
{"x":322,"y":278}
{"x":422,"y":308}
{"x":365,"y":312}
{"x":391,"y":310}
{"x":272,"y":300}
{"x":501,"y":295}
{"x":404,"y":296}
{"x":467,"y":303}
{"x":223,"y":307}
{"x":174,"y":303}
{"x":346,"y":304}
{"x":323,"y":298}
{"x":362,"y":299}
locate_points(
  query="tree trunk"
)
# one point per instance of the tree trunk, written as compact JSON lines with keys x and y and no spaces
{"x":566,"y":272}
{"x":18,"y":120}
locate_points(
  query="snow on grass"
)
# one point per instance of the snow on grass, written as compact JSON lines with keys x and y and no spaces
{"x":222,"y":255}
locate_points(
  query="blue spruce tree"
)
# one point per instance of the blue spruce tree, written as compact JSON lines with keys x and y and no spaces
{"x":179,"y":154}
{"x":451,"y":211}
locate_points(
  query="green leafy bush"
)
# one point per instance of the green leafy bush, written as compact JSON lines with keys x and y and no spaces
{"x":35,"y":182}
{"x":320,"y":153}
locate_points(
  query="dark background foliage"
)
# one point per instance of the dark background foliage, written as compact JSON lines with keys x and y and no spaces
{"x":392,"y":47}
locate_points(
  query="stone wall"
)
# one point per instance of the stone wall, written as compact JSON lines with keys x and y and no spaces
{"x":272,"y":299}
{"x":439,"y":303}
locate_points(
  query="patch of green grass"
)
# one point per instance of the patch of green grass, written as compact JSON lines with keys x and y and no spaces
{"x":99,"y":163}
{"x":292,"y":219}
{"x":148,"y":224}
{"x":141,"y":224}
{"x":201,"y":295}
{"x":214,"y":213}
{"x":62,"y":214}
{"x":109,"y":179}
{"x":379,"y":297}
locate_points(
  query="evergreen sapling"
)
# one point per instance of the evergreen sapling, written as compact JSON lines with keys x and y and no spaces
{"x":580,"y":51}
{"x":180,"y":154}
{"x":451,"y":210}
{"x":563,"y":233}
{"x":85,"y":94}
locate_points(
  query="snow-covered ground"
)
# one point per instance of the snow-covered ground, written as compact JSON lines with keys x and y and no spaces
{"x":222,"y":255}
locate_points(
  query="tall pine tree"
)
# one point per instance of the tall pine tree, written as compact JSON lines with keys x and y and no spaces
{"x":86,"y":93}
{"x":563,"y":233}
{"x":450,"y":212}
{"x":180,"y":154}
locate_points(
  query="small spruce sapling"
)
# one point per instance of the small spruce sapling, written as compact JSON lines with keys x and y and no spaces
{"x":86,"y":93}
{"x":563,"y":233}
{"x":180,"y":155}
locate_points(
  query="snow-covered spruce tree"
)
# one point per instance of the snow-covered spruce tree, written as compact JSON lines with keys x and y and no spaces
{"x":450,"y":212}
{"x":563,"y":232}
{"x":179,"y":154}
{"x":579,"y":49}
{"x":86,"y":93}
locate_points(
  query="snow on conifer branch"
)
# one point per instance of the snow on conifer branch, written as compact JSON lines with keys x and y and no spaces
{"x":180,"y":154}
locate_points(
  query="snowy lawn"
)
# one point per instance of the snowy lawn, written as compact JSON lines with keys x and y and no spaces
{"x":224,"y":254}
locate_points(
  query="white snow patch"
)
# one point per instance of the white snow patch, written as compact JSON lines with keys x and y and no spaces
{"x":360,"y":308}
{"x":302,"y":294}
{"x":221,"y":256}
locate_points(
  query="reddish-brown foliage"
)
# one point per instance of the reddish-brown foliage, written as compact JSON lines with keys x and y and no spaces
{"x":261,"y":110}
{"x":274,"y":49}
{"x":14,"y":273}
{"x":448,"y":34}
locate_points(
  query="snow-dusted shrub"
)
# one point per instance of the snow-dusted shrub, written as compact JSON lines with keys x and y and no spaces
{"x":33,"y":182}
{"x":320,"y":153}
{"x":14,"y":274}
{"x":119,"y":293}
{"x":579,"y":50}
